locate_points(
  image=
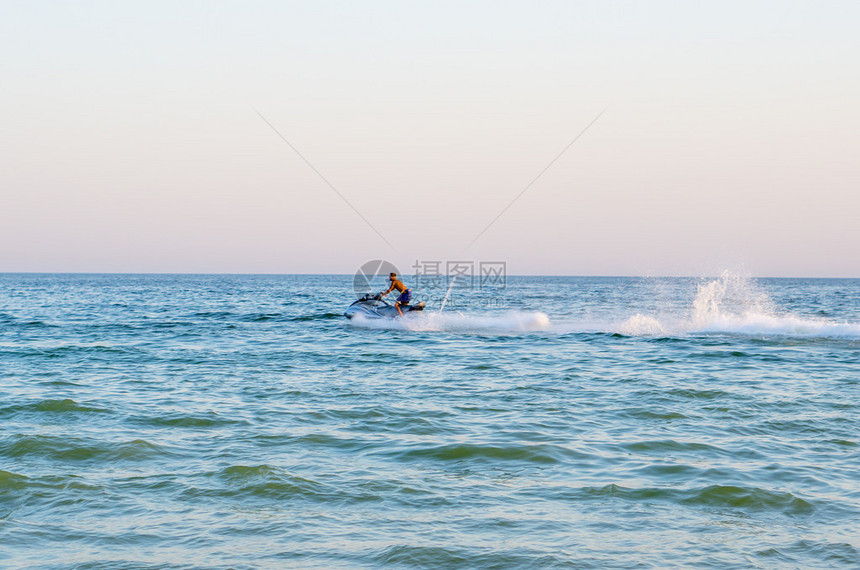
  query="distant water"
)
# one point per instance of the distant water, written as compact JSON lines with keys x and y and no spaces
{"x":167,"y":421}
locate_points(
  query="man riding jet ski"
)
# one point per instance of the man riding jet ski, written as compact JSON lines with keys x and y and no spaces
{"x":373,"y":306}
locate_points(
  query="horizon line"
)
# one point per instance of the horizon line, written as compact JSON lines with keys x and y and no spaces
{"x":227,"y":273}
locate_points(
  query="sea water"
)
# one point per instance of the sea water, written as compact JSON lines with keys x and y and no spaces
{"x":219,"y":421}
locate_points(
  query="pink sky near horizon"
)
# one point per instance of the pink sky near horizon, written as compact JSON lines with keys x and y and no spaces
{"x":130,"y":140}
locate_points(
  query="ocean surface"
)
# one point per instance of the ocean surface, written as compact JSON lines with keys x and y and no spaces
{"x":220,"y":421}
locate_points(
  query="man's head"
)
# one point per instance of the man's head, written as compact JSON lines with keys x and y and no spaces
{"x":392,"y":276}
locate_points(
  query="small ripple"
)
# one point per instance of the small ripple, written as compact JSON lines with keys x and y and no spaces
{"x":773,"y":555}
{"x":47,"y":492}
{"x":424,"y":556}
{"x":35,"y":325}
{"x":842,"y":442}
{"x":642,"y":414}
{"x":834,"y":552}
{"x":535,"y":453}
{"x":12,"y":481}
{"x":656,"y":340}
{"x":266,"y":482}
{"x":806,"y":427}
{"x":70,"y":350}
{"x":481,"y":367}
{"x":51,"y":406}
{"x":259,"y":317}
{"x":74,"y":449}
{"x":406,"y":424}
{"x":730,"y":354}
{"x":121,"y":564}
{"x":410,"y":555}
{"x":316,"y":317}
{"x":212,"y":315}
{"x":685,"y":473}
{"x":749,"y":499}
{"x":669,"y":446}
{"x":210,"y":420}
{"x":694,"y":394}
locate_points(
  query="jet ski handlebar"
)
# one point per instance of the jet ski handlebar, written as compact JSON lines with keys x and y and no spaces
{"x":372,"y":297}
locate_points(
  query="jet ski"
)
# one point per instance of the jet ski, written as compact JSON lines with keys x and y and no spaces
{"x":374,"y":307}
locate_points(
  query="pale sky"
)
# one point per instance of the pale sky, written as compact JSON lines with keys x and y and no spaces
{"x":129,"y":140}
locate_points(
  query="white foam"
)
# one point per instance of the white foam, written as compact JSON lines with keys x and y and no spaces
{"x":733,"y":304}
{"x":509,"y":322}
{"x":641,"y":325}
{"x":753,"y":323}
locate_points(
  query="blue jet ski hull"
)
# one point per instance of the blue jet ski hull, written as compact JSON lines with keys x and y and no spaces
{"x":370,"y":307}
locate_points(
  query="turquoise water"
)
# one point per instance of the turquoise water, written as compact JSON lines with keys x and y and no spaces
{"x":180,"y":421}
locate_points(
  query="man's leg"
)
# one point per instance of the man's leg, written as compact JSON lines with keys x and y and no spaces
{"x":397,"y":306}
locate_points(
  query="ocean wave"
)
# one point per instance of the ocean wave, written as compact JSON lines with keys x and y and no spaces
{"x":749,"y":499}
{"x":528,"y":453}
{"x":12,"y":481}
{"x":319,"y":443}
{"x":50,"y":406}
{"x":16,"y":482}
{"x":74,"y":449}
{"x":267,"y":482}
{"x":189,"y":421}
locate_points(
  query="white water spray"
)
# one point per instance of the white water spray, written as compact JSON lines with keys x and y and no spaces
{"x":450,"y":286}
{"x":733,"y":304}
